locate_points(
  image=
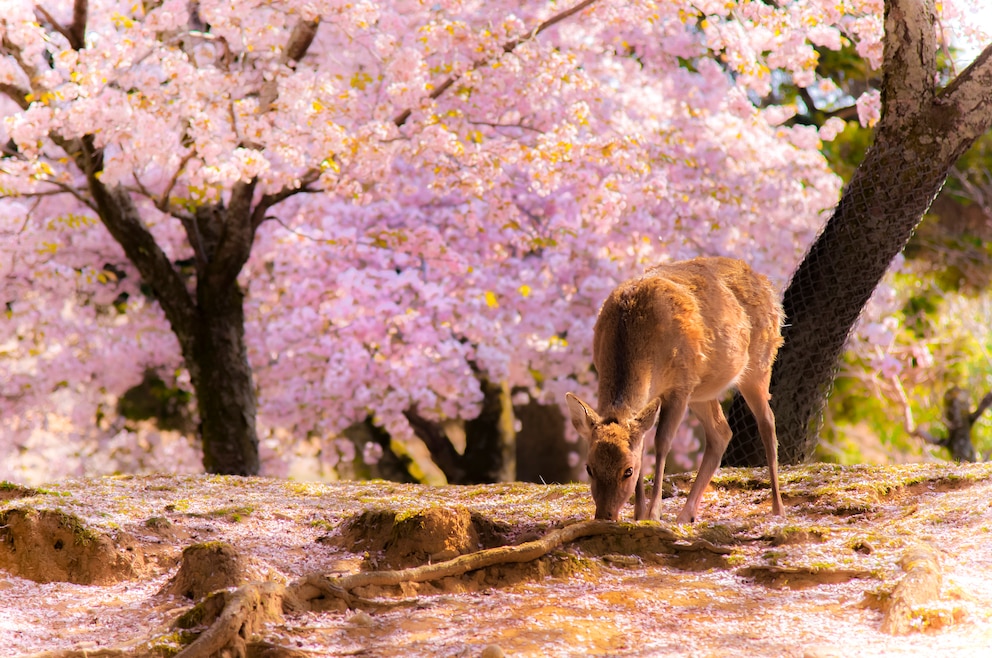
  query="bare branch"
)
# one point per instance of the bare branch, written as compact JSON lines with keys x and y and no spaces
{"x":490,"y":124}
{"x":966,"y":103}
{"x":507,"y":47}
{"x":43,"y":16}
{"x":269,"y":200}
{"x":237,"y":234}
{"x":982,"y":406}
{"x":910,"y":65}
{"x":299,"y":41}
{"x":68,"y":189}
{"x":80,"y":11}
{"x":162,"y":203}
{"x":16,"y":94}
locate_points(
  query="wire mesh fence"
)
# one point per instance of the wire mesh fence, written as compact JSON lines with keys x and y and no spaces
{"x":871,"y":224}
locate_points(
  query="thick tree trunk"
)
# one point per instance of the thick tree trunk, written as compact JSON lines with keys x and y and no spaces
{"x":225,"y":390}
{"x":921,"y":135}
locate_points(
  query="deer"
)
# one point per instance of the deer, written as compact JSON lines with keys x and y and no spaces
{"x":677,"y":337}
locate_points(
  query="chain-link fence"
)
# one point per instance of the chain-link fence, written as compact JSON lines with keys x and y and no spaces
{"x":872,"y":223}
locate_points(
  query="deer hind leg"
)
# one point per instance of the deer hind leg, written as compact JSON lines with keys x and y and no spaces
{"x":672,"y":413}
{"x":718,"y":434}
{"x":755,"y":393}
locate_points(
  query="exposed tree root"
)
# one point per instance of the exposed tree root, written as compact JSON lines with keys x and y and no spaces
{"x":250,"y":606}
{"x":232,"y":616}
{"x":246,"y":609}
{"x":920,"y":586}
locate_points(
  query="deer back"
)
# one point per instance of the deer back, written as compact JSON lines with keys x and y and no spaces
{"x":691,"y":326}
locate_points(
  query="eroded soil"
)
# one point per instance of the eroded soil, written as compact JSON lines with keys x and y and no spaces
{"x":869,"y":561}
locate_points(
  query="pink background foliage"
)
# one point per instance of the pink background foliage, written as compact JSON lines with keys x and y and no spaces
{"x":486,"y":229}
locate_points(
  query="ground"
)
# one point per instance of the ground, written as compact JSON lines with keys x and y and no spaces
{"x":868,"y":561}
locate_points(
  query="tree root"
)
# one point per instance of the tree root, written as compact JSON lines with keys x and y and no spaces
{"x":254,"y":604}
{"x":233,"y":616}
{"x":920,"y":585}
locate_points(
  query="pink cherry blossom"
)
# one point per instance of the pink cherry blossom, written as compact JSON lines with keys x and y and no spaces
{"x":446,"y":230}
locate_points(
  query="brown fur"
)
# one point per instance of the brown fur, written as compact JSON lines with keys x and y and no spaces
{"x":677,"y":337}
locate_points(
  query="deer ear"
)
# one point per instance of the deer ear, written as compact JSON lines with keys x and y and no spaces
{"x":645,"y":419}
{"x":582,"y":414}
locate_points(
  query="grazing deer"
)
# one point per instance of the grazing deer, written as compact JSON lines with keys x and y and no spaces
{"x":677,"y":337}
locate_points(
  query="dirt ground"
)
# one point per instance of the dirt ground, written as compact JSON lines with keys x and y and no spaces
{"x":869,"y":561}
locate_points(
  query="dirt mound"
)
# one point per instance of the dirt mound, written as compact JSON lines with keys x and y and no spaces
{"x":211,"y":566}
{"x":11,"y":491}
{"x":394,"y":540}
{"x":51,"y":546}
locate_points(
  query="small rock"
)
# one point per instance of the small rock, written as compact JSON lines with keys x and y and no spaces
{"x":362,"y":619}
{"x":622,"y":560}
{"x":492,"y":651}
{"x":822,"y":651}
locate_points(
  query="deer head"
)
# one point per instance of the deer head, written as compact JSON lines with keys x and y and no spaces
{"x":615,"y":451}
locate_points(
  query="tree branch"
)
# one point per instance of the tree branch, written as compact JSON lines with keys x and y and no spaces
{"x":80,"y":11}
{"x":118,"y":213}
{"x":233,"y":245}
{"x":908,"y":86}
{"x":43,"y":16}
{"x":297,"y":46}
{"x":982,"y":406}
{"x":965,"y":105}
{"x":507,"y":47}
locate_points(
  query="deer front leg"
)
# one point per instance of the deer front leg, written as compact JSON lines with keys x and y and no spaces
{"x":639,"y":494}
{"x":672,"y":412}
{"x":718,"y":435}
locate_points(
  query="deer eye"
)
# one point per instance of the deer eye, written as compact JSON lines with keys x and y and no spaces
{"x":628,"y":472}
{"x":588,"y":470}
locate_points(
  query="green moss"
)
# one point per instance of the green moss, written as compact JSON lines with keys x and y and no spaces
{"x":799,"y":534}
{"x":193,"y":617}
{"x":53,"y":492}
{"x":158,"y":522}
{"x":322,"y":524}
{"x":171,"y":644}
{"x":773,"y":558}
{"x":82,"y":535}
{"x":181,"y":506}
{"x":215,"y":545}
{"x":234,"y":514}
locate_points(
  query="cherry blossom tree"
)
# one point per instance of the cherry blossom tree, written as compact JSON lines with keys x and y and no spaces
{"x":923,"y":132}
{"x":314,"y":213}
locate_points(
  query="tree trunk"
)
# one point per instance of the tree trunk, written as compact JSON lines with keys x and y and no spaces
{"x":920,"y":136}
{"x":542,"y":449}
{"x":490,"y":437}
{"x":210,"y":329}
{"x":222,"y":379}
{"x":489,"y":453}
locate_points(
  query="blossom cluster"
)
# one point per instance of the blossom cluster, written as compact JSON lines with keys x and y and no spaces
{"x":464,"y":206}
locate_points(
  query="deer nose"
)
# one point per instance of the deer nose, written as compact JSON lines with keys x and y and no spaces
{"x":606,"y":516}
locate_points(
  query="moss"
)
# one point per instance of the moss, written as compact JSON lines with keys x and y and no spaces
{"x":53,"y":492}
{"x":193,"y":617}
{"x":158,"y":522}
{"x":773,"y":558}
{"x":798,"y":534}
{"x":171,"y":644}
{"x":323,"y":524}
{"x":82,"y":535}
{"x":207,"y":545}
{"x":234,"y":514}
{"x":181,"y":506}
{"x":160,"y":487}
{"x":10,"y":491}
